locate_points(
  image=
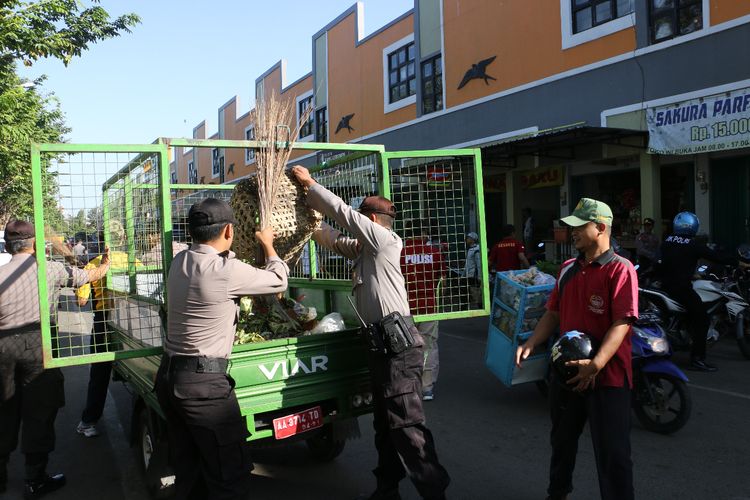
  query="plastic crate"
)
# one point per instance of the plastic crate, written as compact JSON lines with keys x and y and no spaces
{"x":516,"y":309}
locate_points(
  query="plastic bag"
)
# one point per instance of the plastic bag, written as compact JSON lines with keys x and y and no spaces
{"x":329,"y":323}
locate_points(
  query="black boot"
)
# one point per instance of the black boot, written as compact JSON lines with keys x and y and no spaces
{"x":40,"y":487}
{"x":700,"y":365}
{"x":385,"y":494}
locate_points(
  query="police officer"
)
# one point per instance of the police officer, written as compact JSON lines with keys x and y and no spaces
{"x":30,"y":395}
{"x":403,"y":441}
{"x":597,"y":294}
{"x":423,"y":266}
{"x":207,"y":433}
{"x":679,"y":256}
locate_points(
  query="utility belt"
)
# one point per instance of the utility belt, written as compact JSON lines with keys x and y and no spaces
{"x":33,"y":327}
{"x":391,"y":335}
{"x":195,"y":364}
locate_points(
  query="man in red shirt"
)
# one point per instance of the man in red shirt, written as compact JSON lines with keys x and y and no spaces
{"x":508,"y":253}
{"x":597,"y":294}
{"x":423,"y":267}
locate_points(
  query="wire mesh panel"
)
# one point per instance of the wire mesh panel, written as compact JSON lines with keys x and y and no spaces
{"x":89,"y":198}
{"x":438,"y":206}
{"x":93,"y":201}
{"x":352,"y":177}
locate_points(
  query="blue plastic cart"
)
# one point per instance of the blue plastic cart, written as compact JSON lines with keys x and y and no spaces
{"x":516,"y":310}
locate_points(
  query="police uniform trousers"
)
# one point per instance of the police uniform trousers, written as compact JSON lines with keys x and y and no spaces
{"x":607,"y":410}
{"x":207,"y":434}
{"x":698,"y":319}
{"x":430,"y":331}
{"x":99,"y":373}
{"x":403,"y":441}
{"x":30,"y":399}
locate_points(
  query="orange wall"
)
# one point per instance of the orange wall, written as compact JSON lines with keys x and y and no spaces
{"x":272,"y":83}
{"x":524,"y":35}
{"x":726,"y":10}
{"x":355,"y":80}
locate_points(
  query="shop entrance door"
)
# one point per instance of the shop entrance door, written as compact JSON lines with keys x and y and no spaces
{"x":730,"y":201}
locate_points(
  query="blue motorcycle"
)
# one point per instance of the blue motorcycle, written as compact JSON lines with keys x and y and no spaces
{"x":661,"y":398}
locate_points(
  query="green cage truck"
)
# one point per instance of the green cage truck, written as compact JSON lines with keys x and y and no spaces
{"x":307,"y":387}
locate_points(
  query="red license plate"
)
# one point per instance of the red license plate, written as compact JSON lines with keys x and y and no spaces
{"x":297,"y":423}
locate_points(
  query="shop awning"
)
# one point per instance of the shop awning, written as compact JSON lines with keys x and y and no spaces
{"x":560,"y":143}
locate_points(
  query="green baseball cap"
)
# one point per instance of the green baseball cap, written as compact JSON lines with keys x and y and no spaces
{"x":589,"y":210}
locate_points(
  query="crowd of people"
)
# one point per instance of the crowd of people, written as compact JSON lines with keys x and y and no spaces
{"x":392,"y":278}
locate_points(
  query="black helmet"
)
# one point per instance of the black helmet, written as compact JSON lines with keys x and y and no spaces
{"x":572,"y":346}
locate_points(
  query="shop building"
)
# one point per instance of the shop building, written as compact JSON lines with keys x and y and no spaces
{"x":641,"y":103}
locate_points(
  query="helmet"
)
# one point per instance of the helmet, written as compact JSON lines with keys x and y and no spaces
{"x":686,"y":224}
{"x":571,"y":346}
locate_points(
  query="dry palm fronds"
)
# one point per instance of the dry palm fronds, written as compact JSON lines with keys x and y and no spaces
{"x":272,"y":197}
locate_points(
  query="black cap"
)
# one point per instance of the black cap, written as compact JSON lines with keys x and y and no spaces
{"x":378,"y":205}
{"x":19,"y":230}
{"x":210,"y":211}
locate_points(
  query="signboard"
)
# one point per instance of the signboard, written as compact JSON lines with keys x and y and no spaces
{"x":494,"y":183}
{"x":714,"y":123}
{"x":541,"y":178}
{"x":438,"y":176}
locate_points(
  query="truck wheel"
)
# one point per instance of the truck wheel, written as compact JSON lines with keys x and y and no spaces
{"x":153,"y":457}
{"x":323,"y":447}
{"x":669,"y":408}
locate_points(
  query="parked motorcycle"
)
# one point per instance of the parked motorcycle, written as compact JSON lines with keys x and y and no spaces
{"x":728,"y":310}
{"x":661,"y":399}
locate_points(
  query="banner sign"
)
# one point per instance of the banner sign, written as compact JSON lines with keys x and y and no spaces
{"x":543,"y":177}
{"x":713,"y":123}
{"x":494,"y":183}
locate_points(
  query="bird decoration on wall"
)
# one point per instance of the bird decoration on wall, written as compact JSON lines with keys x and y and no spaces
{"x":344,"y":123}
{"x":478,"y":70}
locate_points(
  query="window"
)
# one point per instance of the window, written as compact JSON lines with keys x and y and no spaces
{"x":305,"y":103}
{"x":321,"y":125}
{"x":217,"y":163}
{"x":432,"y":85}
{"x":671,"y":18}
{"x":192,"y":173}
{"x":402,"y":81}
{"x":590,"y":13}
{"x":249,"y":153}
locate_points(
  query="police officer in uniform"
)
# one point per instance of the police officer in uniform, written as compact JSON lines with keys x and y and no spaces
{"x":679,"y":257}
{"x":404,"y":443}
{"x":207,"y":433}
{"x":30,"y":394}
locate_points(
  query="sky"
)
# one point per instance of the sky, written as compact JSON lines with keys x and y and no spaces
{"x":185,"y":60}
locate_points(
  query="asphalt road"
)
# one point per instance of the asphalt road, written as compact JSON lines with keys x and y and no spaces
{"x":493,"y":440}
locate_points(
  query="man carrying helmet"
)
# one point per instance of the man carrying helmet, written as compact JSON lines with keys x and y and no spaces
{"x":595,"y":294}
{"x":679,"y":257}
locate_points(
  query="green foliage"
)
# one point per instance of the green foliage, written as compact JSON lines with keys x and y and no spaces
{"x":54,"y":28}
{"x":25,"y":117}
{"x":30,"y":31}
{"x":548,"y":267}
{"x":77,"y":223}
